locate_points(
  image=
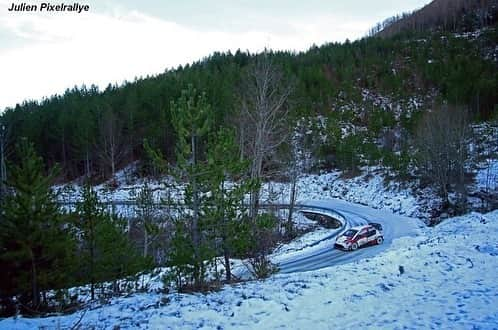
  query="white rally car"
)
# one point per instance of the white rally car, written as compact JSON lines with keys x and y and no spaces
{"x":356,"y":237}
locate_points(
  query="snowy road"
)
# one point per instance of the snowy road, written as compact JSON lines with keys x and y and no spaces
{"x":324,"y":255}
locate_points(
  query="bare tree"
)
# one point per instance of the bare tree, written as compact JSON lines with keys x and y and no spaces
{"x":442,"y":140}
{"x":489,"y":196}
{"x":298,"y":163}
{"x":112,"y":149}
{"x":264,"y":108}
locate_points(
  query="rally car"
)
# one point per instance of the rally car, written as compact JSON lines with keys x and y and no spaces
{"x":356,"y":237}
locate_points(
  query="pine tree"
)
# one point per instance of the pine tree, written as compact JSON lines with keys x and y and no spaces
{"x":106,"y":252}
{"x":35,"y":242}
{"x":191,"y":115}
{"x":145,"y":209}
{"x":117,"y":256}
{"x":89,"y":213}
{"x":181,"y":256}
{"x":225,"y":208}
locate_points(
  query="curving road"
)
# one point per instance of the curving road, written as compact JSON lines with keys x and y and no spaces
{"x":394,"y":226}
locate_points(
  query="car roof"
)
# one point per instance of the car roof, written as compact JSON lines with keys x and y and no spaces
{"x":361,"y":227}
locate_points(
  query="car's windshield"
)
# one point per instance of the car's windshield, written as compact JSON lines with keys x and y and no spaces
{"x":350,"y":233}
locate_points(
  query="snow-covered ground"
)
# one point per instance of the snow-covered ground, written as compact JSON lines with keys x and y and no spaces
{"x":487,"y":177}
{"x":367,"y":189}
{"x":444,"y":278}
{"x":312,"y":241}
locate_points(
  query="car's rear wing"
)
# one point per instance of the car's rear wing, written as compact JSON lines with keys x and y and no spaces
{"x":377,"y":226}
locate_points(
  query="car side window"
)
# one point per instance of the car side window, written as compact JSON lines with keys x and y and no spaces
{"x":371,"y":233}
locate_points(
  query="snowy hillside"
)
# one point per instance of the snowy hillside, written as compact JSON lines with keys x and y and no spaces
{"x":443,"y":278}
{"x":370,"y":188}
{"x":367,"y":189}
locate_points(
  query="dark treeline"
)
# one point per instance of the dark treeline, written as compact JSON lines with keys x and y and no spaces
{"x":95,"y":132}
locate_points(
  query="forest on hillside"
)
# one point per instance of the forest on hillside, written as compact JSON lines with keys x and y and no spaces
{"x":93,"y":132}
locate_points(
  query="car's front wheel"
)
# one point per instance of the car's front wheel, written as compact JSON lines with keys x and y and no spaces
{"x":380,"y":240}
{"x":354,"y":246}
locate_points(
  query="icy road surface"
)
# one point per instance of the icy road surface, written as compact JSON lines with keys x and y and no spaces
{"x":324,"y":255}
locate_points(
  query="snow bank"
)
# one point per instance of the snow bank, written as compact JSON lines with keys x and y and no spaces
{"x":366,"y":189}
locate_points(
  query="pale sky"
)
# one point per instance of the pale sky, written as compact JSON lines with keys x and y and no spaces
{"x":42,"y":54}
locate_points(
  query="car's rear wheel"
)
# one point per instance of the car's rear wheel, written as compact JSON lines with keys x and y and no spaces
{"x":380,"y":240}
{"x":354,"y":247}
